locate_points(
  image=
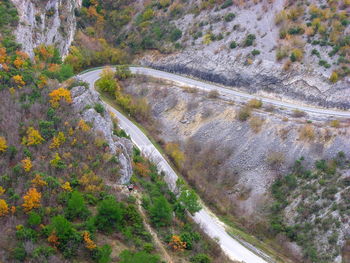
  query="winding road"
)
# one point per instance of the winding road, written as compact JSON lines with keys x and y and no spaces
{"x":209,"y":223}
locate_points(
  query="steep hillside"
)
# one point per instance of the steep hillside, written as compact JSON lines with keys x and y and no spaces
{"x":246,"y":156}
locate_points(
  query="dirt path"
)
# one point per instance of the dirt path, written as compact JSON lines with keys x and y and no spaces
{"x":154,"y":235}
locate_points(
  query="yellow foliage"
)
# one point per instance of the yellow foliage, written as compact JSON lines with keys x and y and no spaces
{"x":38,"y":181}
{"x":177,"y":244}
{"x":4,"y":209}
{"x":91,"y":182}
{"x":31,"y":199}
{"x":66,"y":186}
{"x":27,"y":164}
{"x":334,"y":77}
{"x":2,"y":190}
{"x":89,"y":244}
{"x":3,"y":144}
{"x":42,"y":81}
{"x":57,"y":140}
{"x":70,"y":131}
{"x":33,"y":137}
{"x":18,"y":79}
{"x":58,"y":94}
{"x":83,"y":126}
{"x":56,"y":159}
{"x":175,"y":153}
{"x":13,"y":209}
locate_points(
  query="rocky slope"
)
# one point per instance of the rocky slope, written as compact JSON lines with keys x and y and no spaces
{"x":236,"y":161}
{"x":83,"y":102}
{"x":46,"y":22}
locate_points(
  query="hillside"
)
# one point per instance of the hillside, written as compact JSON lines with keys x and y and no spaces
{"x":281,"y":176}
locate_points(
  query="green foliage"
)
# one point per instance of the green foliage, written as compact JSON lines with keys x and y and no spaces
{"x":41,"y":252}
{"x":109,"y":215}
{"x":226,"y":4}
{"x":200,"y":258}
{"x":19,"y":253}
{"x":122,"y":72}
{"x":34,"y":219}
{"x":99,"y":108}
{"x":175,"y":34}
{"x":160,"y":212}
{"x":229,"y":17}
{"x":76,"y":207}
{"x":255,"y":52}
{"x":138,"y":257}
{"x":107,"y":83}
{"x":102,"y":254}
{"x":47,"y":129}
{"x":190,"y":200}
{"x":249,"y":40}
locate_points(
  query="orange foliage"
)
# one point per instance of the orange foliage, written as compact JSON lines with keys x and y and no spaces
{"x":13,"y":209}
{"x":58,"y":94}
{"x":177,"y":244}
{"x":31,"y":199}
{"x":89,"y":244}
{"x":53,"y":239}
{"x":83,"y":126}
{"x":4,"y":209}
{"x":3,"y":55}
{"x":18,"y":63}
{"x":141,"y":169}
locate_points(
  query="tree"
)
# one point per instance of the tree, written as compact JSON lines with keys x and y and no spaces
{"x":33,"y":137}
{"x":89,"y":244}
{"x":31,"y":199}
{"x":38,"y":181}
{"x":76,"y":206}
{"x":4,"y":209}
{"x":3,"y":144}
{"x":190,"y":200}
{"x":27,"y":164}
{"x":107,"y":82}
{"x":109,"y":215}
{"x":176,"y":243}
{"x":160,"y":212}
{"x":103,"y":254}
{"x":173,"y":149}
{"x":60,"y":94}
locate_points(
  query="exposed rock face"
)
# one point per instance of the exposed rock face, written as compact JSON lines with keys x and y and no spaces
{"x":49,"y":22}
{"x":103,"y":125}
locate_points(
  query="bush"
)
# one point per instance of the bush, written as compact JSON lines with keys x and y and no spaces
{"x":19,"y":253}
{"x":249,"y":40}
{"x":34,"y":219}
{"x":233,"y":44}
{"x":226,"y":4}
{"x":255,"y":103}
{"x":76,"y":207}
{"x":102,"y":254}
{"x":298,"y":113}
{"x":255,"y":52}
{"x":175,"y":35}
{"x":296,"y":55}
{"x":256,"y":123}
{"x":138,"y":257}
{"x":109,"y":215}
{"x":122,"y":72}
{"x":244,"y":113}
{"x":229,"y":17}
{"x":99,"y":108}
{"x":334,"y":77}
{"x":307,"y":132}
{"x":200,"y":258}
{"x":160,"y":212}
{"x":334,"y":123}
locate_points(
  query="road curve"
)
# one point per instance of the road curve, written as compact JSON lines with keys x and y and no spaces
{"x":210,"y":224}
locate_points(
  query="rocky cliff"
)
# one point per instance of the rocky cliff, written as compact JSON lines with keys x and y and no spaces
{"x":50,"y":22}
{"x":83,"y":102}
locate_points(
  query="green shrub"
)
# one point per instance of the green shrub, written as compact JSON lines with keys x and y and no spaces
{"x":226,"y":4}
{"x":160,"y":212}
{"x":233,"y":44}
{"x":229,"y":17}
{"x":200,"y":258}
{"x":138,"y":257}
{"x":255,"y":52}
{"x":102,"y":254}
{"x":244,"y":113}
{"x":34,"y":219}
{"x":249,"y":40}
{"x":109,"y":215}
{"x":175,"y":35}
{"x":19,"y":253}
{"x":99,"y":108}
{"x":122,"y":72}
{"x":76,"y":207}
